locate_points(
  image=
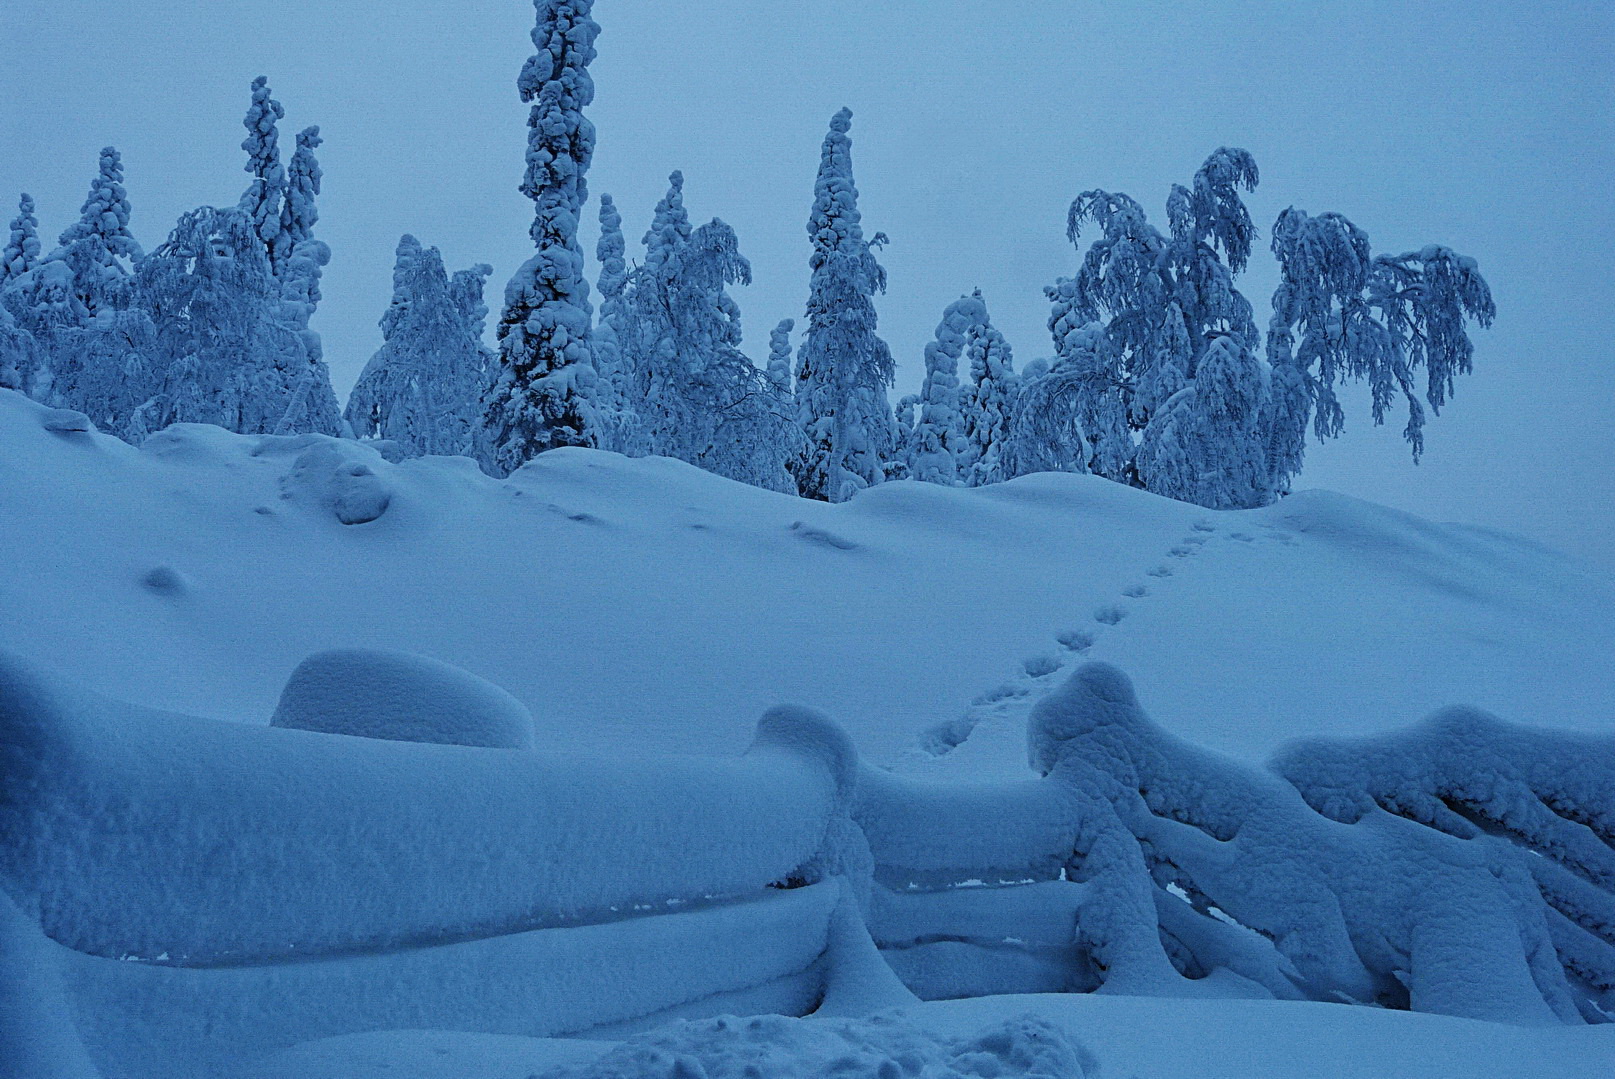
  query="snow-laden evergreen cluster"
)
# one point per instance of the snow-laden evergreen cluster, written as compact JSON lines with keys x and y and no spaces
{"x":210,"y":327}
{"x":1159,"y":379}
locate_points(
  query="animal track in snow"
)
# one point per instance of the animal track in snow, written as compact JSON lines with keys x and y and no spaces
{"x":1109,"y":614}
{"x":1134,"y":591}
{"x":1077,"y":640}
{"x":1040,"y":666}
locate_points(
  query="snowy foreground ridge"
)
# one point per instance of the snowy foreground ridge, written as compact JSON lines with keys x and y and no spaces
{"x":247,"y":832}
{"x":183,"y":894}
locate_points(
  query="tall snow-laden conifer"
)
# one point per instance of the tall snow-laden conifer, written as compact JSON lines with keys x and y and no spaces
{"x":779,"y":357}
{"x":621,"y":428}
{"x":98,"y":248}
{"x":262,"y":200}
{"x":77,"y":304}
{"x":988,"y":406}
{"x":422,"y":388}
{"x":547,"y":384}
{"x":932,"y":446}
{"x":298,"y":211}
{"x":843,"y":368}
{"x":21,"y":253}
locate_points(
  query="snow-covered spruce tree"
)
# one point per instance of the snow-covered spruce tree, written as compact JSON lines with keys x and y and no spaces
{"x":21,"y":359}
{"x":1339,"y":312}
{"x":779,"y":359}
{"x":312,"y":405}
{"x":21,"y":253}
{"x":544,"y":396}
{"x":843,"y":368}
{"x":932,"y":445}
{"x":987,"y":406}
{"x":1205,"y":444}
{"x":262,"y":201}
{"x":422,"y":388}
{"x":621,"y":428}
{"x":98,"y":248}
{"x":76,"y":303}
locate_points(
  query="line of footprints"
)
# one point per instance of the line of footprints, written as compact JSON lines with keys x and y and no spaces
{"x":1010,"y":702}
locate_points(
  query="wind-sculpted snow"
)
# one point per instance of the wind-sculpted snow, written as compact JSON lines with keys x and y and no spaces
{"x":1542,"y":803}
{"x":191,"y":841}
{"x":1382,"y":910}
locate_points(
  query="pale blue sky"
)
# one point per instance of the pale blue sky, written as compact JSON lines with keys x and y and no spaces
{"x":1484,"y":126}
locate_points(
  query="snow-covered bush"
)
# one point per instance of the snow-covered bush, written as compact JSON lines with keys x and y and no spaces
{"x":1380,"y":910}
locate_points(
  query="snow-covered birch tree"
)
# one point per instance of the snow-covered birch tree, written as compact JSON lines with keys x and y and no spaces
{"x":422,"y":388}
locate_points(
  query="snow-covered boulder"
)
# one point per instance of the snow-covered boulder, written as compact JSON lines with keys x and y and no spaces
{"x":337,"y":475}
{"x":401,"y":697}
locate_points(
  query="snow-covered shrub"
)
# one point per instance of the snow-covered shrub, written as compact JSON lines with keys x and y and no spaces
{"x":1540,"y":802}
{"x":402,"y":697}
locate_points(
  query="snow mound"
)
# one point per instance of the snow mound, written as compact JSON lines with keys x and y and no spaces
{"x":335,"y":475}
{"x":881,"y":1047}
{"x":405,"y":698}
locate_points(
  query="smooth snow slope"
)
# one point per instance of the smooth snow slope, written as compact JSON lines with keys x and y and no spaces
{"x":646,"y":606}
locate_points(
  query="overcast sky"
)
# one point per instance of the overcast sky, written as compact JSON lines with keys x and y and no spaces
{"x":1483,"y":126}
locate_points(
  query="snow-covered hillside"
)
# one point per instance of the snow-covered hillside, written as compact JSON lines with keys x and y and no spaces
{"x":648,"y":606}
{"x":290,"y":893}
